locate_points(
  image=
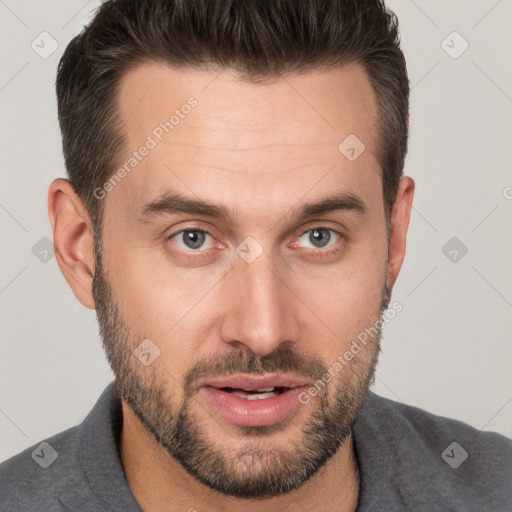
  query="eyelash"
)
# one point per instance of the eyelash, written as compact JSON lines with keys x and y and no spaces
{"x":318,"y":253}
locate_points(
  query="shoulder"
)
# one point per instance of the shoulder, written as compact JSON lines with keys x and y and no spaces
{"x":425,"y":454}
{"x":47,"y":476}
{"x":432,"y":430}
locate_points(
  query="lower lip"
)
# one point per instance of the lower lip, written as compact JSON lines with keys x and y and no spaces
{"x":254,"y":413}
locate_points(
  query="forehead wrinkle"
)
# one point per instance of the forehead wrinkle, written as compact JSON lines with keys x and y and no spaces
{"x":256,"y":173}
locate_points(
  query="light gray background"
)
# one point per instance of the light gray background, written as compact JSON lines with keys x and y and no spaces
{"x":449,"y":351}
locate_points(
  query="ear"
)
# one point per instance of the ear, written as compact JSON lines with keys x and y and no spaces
{"x":399,"y":223}
{"x":72,"y":239}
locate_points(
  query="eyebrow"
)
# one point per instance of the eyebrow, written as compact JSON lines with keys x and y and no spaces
{"x":174,"y":202}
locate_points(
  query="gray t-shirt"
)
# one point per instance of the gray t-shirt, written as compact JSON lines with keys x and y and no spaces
{"x":409,"y":460}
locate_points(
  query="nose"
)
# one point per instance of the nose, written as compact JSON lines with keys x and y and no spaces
{"x":262,"y":310}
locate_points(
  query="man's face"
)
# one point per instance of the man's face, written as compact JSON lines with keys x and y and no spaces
{"x":264,"y":298}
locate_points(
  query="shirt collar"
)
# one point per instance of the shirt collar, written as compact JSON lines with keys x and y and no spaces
{"x":98,"y":446}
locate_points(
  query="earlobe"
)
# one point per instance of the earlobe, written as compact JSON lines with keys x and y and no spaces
{"x":400,"y":217}
{"x":73,"y":239}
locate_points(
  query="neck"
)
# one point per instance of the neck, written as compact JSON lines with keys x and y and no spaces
{"x":160,"y":484}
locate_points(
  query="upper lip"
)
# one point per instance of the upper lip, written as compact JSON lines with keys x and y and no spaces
{"x":251,"y":382}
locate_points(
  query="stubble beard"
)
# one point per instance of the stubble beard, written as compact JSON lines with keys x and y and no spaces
{"x":252,"y":468}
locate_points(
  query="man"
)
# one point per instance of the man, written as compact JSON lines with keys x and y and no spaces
{"x":236,"y":213}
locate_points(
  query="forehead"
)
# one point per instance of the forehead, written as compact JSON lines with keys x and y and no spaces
{"x":239,"y":135}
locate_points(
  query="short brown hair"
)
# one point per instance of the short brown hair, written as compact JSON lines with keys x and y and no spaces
{"x":260,"y":39}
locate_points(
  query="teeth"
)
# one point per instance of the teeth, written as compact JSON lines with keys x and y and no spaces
{"x":262,"y":396}
{"x":263,"y":390}
{"x":255,"y":396}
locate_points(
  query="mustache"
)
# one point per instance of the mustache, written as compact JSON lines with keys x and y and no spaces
{"x":281,"y":360}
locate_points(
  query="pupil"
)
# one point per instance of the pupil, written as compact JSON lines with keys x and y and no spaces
{"x":320,"y":235}
{"x":193,"y":239}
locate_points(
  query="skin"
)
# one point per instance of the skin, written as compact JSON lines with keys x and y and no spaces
{"x":261,"y":151}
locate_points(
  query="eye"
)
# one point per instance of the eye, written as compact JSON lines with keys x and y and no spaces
{"x":319,"y":241}
{"x":192,"y":239}
{"x":319,"y":238}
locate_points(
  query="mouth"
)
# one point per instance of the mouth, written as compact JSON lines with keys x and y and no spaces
{"x":254,"y":400}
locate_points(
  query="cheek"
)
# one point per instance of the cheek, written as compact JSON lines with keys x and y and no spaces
{"x":170,"y":308}
{"x":347,"y":299}
{"x":154,"y":304}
